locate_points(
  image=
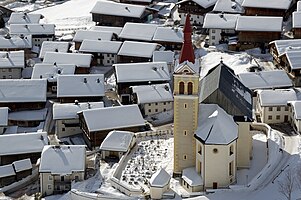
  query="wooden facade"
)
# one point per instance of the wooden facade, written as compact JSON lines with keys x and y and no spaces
{"x":137,"y":2}
{"x":19,"y":106}
{"x":297,"y":33}
{"x":132,"y":59}
{"x":253,"y":39}
{"x":8,"y":159}
{"x":250,"y":11}
{"x":4,"y":181}
{"x":82,"y":70}
{"x":79,"y":99}
{"x":193,"y":8}
{"x":294,"y":74}
{"x":22,"y":174}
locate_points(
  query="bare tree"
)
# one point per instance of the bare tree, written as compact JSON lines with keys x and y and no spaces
{"x":288,"y":184}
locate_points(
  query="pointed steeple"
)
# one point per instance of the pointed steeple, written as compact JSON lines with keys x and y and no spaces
{"x":187,"y":53}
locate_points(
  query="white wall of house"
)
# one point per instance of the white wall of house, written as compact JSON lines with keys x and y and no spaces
{"x":157,"y":192}
{"x":154,"y":108}
{"x":296,"y":123}
{"x":273,"y":114}
{"x":194,"y":19}
{"x":109,"y":59}
{"x":244,"y":145}
{"x":214,"y":36}
{"x":10,"y":73}
{"x":37,"y":41}
{"x":61,"y":130}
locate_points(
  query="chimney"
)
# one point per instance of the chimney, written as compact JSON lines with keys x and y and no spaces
{"x":76,"y":102}
{"x":85,"y":80}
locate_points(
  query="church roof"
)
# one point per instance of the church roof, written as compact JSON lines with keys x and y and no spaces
{"x":187,"y":53}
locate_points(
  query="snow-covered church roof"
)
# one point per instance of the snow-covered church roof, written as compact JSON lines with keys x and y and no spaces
{"x":117,"y":141}
{"x":211,"y":125}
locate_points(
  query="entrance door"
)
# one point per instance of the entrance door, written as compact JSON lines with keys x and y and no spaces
{"x":214,"y":185}
{"x":285,"y":118}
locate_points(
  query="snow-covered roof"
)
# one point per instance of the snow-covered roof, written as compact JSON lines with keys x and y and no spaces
{"x":22,"y":143}
{"x":294,"y":59}
{"x":32,"y":29}
{"x":259,"y":23}
{"x":265,"y":79}
{"x":211,"y":125}
{"x":23,"y":90}
{"x":113,"y":29}
{"x":160,"y":179}
{"x":220,"y":21}
{"x":79,"y":59}
{"x":16,"y":42}
{"x":164,"y":56}
{"x":70,"y":110}
{"x":12,"y":59}
{"x":191,"y":177}
{"x":53,"y":46}
{"x":51,"y":71}
{"x":113,"y":117}
{"x":267,"y":4}
{"x":22,"y":165}
{"x":7,"y":170}
{"x":80,"y":35}
{"x":138,"y":31}
{"x":229,"y":6}
{"x":168,"y":34}
{"x":140,"y":72}
{"x":203,"y":3}
{"x":195,"y":67}
{"x":28,"y":115}
{"x":118,"y":9}
{"x":24,"y":18}
{"x":296,"y":20}
{"x":278,"y":97}
{"x":117,"y":141}
{"x":138,"y":49}
{"x":165,"y":8}
{"x":299,"y":6}
{"x":63,"y":160}
{"x":100,"y":46}
{"x":3,"y":116}
{"x":153,"y":93}
{"x":296,"y":108}
{"x":283,"y":46}
{"x":87,"y":85}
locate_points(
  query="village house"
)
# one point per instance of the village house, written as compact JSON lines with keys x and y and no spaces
{"x":84,"y":88}
{"x":32,"y":145}
{"x":66,"y":118}
{"x":110,"y":13}
{"x":295,"y":117}
{"x":16,"y":43}
{"x":133,"y":52}
{"x":132,"y":74}
{"x":153,"y":99}
{"x":257,"y":31}
{"x":23,"y":168}
{"x":229,"y":6}
{"x":27,"y":118}
{"x":221,"y":27}
{"x":24,"y":18}
{"x":23,"y":94}
{"x":291,"y":63}
{"x":11,"y":64}
{"x":168,"y":37}
{"x":138,"y":32}
{"x":296,"y":25}
{"x":104,"y":52}
{"x":159,"y":184}
{"x":54,"y":46}
{"x":196,"y":8}
{"x":56,"y":174}
{"x":7,"y":175}
{"x":97,"y":123}
{"x":116,"y":30}
{"x":116,"y":144}
{"x":165,"y":56}
{"x":39,"y":32}
{"x":81,"y":61}
{"x":3,"y":119}
{"x":81,"y":35}
{"x":166,"y":9}
{"x":51,"y":72}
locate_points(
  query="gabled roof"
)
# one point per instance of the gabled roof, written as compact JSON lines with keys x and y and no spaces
{"x":32,"y":29}
{"x":192,"y":177}
{"x":138,"y":49}
{"x":283,"y":46}
{"x":160,"y":179}
{"x":22,"y":90}
{"x":259,"y":23}
{"x":141,"y":72}
{"x":138,"y":31}
{"x":117,"y":141}
{"x":78,"y":59}
{"x":96,"y":46}
{"x":265,"y":79}
{"x":278,"y":97}
{"x":80,"y":35}
{"x":229,"y":6}
{"x":7,"y":170}
{"x":164,"y":56}
{"x":113,"y":29}
{"x":24,"y":18}
{"x":12,"y":59}
{"x":16,"y":42}
{"x":28,"y":115}
{"x":211,"y":125}
{"x":50,"y":71}
{"x":110,"y":118}
{"x":296,"y":19}
{"x":70,"y":110}
{"x":294,"y":59}
{"x":193,"y":68}
{"x":87,"y":85}
{"x":22,"y":143}
{"x":21,"y":165}
{"x":63,"y":160}
{"x":267,"y":4}
{"x":220,"y":21}
{"x":118,"y":9}
{"x":53,"y":46}
{"x":153,"y":93}
{"x":299,"y":6}
{"x":168,"y":34}
{"x":3,"y":116}
{"x":296,"y":108}
{"x":202,"y":3}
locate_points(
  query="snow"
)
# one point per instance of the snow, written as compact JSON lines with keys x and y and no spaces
{"x":117,"y":141}
{"x":22,"y":165}
{"x":159,"y":179}
{"x":80,"y":35}
{"x":31,"y":143}
{"x":267,"y":4}
{"x":168,"y":34}
{"x":28,"y":115}
{"x":51,"y":72}
{"x":114,"y":29}
{"x":32,"y":29}
{"x":229,"y":6}
{"x":138,"y":31}
{"x":24,"y":18}
{"x":278,"y":97}
{"x":296,"y":109}
{"x":194,"y":67}
{"x":153,"y":93}
{"x":138,"y":49}
{"x":113,"y":118}
{"x":53,"y":46}
{"x":64,"y":159}
{"x":296,"y":19}
{"x":283,"y":46}
{"x":294,"y":59}
{"x":96,"y":46}
{"x":84,"y":85}
{"x":220,"y":21}
{"x":212,"y":120}
{"x":164,"y":56}
{"x":7,"y":170}
{"x":80,"y":60}
{"x":16,"y":42}
{"x":22,"y":90}
{"x":13,"y":59}
{"x":70,"y":110}
{"x":3,"y":116}
{"x":202,"y":3}
{"x":141,"y":72}
{"x":191,"y":177}
{"x":259,"y":23}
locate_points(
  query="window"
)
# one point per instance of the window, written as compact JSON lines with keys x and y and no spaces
{"x":184,"y":157}
{"x":230,"y":168}
{"x":286,"y":108}
{"x":156,"y":104}
{"x":108,"y":61}
{"x":270,"y":117}
{"x":213,"y":37}
{"x":181,"y":88}
{"x":50,"y":178}
{"x":278,"y":108}
{"x":200,"y":152}
{"x":62,"y":178}
{"x":164,"y":103}
{"x":231,"y":150}
{"x":149,"y":110}
{"x":164,"y":109}
{"x":9,"y":70}
{"x":190,"y":88}
{"x":185,"y":105}
{"x":149,"y":104}
{"x":213,"y":30}
{"x":63,"y":129}
{"x":277,"y":117}
{"x":270,"y":108}
{"x":185,"y":133}
{"x":3,"y":70}
{"x":215,"y":150}
{"x":4,"y":77}
{"x":156,"y":110}
{"x":10,"y":76}
{"x":49,"y":187}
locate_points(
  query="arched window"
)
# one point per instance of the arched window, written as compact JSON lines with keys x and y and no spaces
{"x":190,"y":88}
{"x":181,"y":88}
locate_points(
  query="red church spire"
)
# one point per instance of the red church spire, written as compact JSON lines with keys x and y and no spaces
{"x":187,"y":53}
